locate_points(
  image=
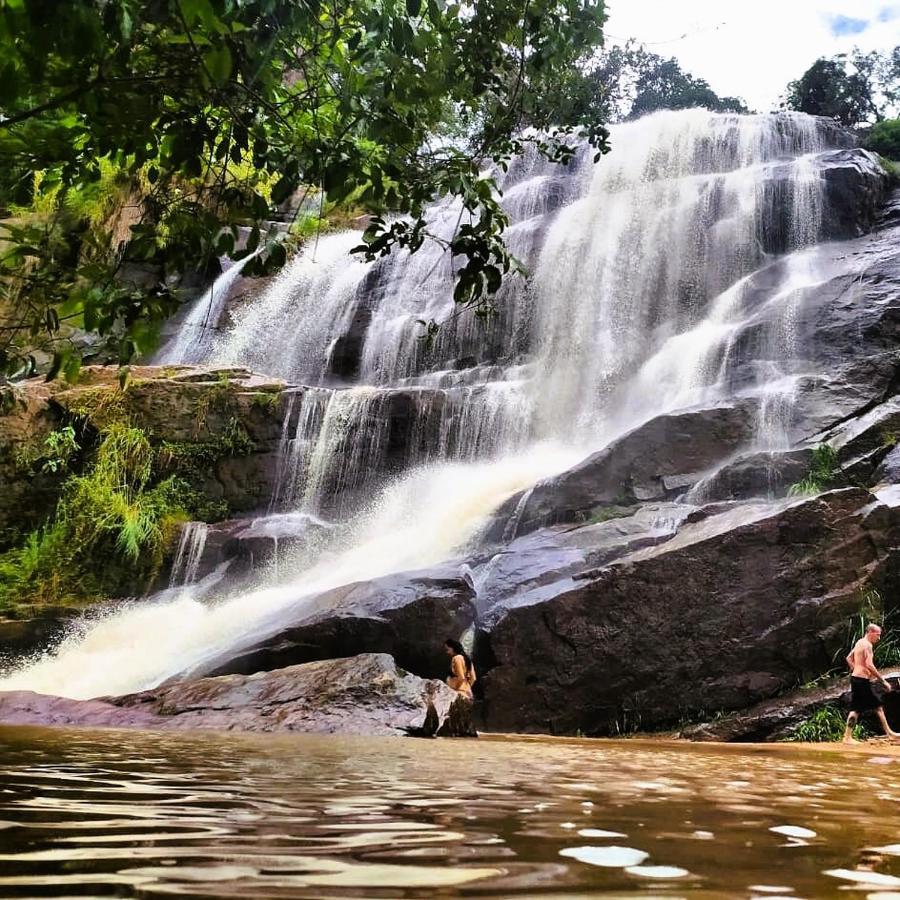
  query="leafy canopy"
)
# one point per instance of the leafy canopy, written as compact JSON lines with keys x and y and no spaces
{"x":626,"y":81}
{"x":209,"y":114}
{"x":855,"y":89}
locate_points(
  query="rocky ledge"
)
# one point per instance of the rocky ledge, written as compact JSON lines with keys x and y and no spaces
{"x":366,"y":694}
{"x":777,"y":719}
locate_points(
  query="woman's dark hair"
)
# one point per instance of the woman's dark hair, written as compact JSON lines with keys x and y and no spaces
{"x":457,"y":649}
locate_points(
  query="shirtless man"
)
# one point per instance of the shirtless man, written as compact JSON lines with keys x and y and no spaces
{"x":861,"y":660}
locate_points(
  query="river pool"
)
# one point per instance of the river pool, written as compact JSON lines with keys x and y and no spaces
{"x":145,"y":814}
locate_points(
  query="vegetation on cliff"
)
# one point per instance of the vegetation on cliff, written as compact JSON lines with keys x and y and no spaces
{"x":117,"y":468}
{"x":110,"y":529}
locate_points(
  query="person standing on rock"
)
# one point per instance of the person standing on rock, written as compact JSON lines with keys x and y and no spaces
{"x":863,"y":674}
{"x":462,"y":669}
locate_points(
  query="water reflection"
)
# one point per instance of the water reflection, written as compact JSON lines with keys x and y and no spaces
{"x":145,"y":815}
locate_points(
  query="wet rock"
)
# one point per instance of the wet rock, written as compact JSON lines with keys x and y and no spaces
{"x":775,"y":720}
{"x":408,"y":615}
{"x":366,"y":694}
{"x":888,"y":470}
{"x":854,"y":190}
{"x":637,"y":467}
{"x":34,"y":630}
{"x":762,"y":474}
{"x":734,"y":609}
{"x":549,"y":554}
{"x":27,"y":491}
{"x":863,"y":441}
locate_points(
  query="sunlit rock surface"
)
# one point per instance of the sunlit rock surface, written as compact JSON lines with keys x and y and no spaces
{"x":365,"y":694}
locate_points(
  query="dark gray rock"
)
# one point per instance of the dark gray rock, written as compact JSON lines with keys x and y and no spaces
{"x":544,"y":556}
{"x":408,"y":615}
{"x":854,"y":190}
{"x":863,"y":441}
{"x":34,"y":631}
{"x":762,"y":474}
{"x":888,"y":470}
{"x":366,"y":694}
{"x":637,"y":467}
{"x":734,"y":609}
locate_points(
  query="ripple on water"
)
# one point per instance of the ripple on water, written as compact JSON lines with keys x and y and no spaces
{"x":609,"y":857}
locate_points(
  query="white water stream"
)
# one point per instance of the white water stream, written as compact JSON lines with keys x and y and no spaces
{"x":641,"y":290}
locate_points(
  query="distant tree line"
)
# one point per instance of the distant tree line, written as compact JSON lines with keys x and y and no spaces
{"x":626,"y":81}
{"x":859,"y":90}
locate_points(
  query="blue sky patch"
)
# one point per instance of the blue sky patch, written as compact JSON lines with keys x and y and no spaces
{"x":843,"y":25}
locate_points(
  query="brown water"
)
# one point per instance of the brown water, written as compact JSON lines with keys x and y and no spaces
{"x":137,"y":814}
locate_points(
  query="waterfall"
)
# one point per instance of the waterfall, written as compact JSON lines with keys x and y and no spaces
{"x":194,"y":339}
{"x":667,"y":275}
{"x":189,"y":553}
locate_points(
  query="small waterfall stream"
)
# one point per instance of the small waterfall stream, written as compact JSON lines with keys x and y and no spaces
{"x":665,"y":276}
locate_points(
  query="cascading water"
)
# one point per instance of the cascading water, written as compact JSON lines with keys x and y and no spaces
{"x":666,"y":275}
{"x":189,"y":553}
{"x":194,"y":339}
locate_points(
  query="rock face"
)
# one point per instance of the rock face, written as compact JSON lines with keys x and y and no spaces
{"x":35,"y":632}
{"x":367,"y":694}
{"x":660,"y":458}
{"x":219,"y":429}
{"x":735,"y":608}
{"x":407,"y":615}
{"x":27,"y":492}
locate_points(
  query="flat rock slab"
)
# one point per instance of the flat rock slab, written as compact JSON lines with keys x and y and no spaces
{"x":776,"y":719}
{"x":364,"y":694}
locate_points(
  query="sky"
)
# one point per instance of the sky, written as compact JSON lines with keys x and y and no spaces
{"x":753,"y":48}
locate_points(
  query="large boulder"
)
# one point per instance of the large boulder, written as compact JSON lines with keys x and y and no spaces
{"x":735,"y":608}
{"x":659,"y":459}
{"x":408,"y":615}
{"x":755,"y":474}
{"x":855,"y":186}
{"x":367,"y":694}
{"x":547,"y":555}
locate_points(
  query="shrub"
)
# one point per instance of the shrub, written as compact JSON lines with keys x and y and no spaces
{"x":822,"y":472}
{"x":825,"y":724}
{"x":884,"y":138}
{"x":109,"y":532}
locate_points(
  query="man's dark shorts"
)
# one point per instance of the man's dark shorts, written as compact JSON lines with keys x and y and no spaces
{"x":862,"y":696}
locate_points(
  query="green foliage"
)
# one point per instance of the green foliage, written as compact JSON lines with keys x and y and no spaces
{"x":61,"y":447}
{"x":873,"y":609}
{"x":267,"y":401}
{"x":825,"y":724}
{"x":626,"y":81}
{"x":822,"y":473}
{"x":884,"y":139}
{"x":854,"y":89}
{"x":109,"y":532}
{"x":663,"y":85}
{"x":207,"y":114}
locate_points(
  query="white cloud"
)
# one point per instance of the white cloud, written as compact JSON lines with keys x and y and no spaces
{"x":752,"y":50}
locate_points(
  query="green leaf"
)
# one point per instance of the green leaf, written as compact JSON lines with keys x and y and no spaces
{"x":218,"y":63}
